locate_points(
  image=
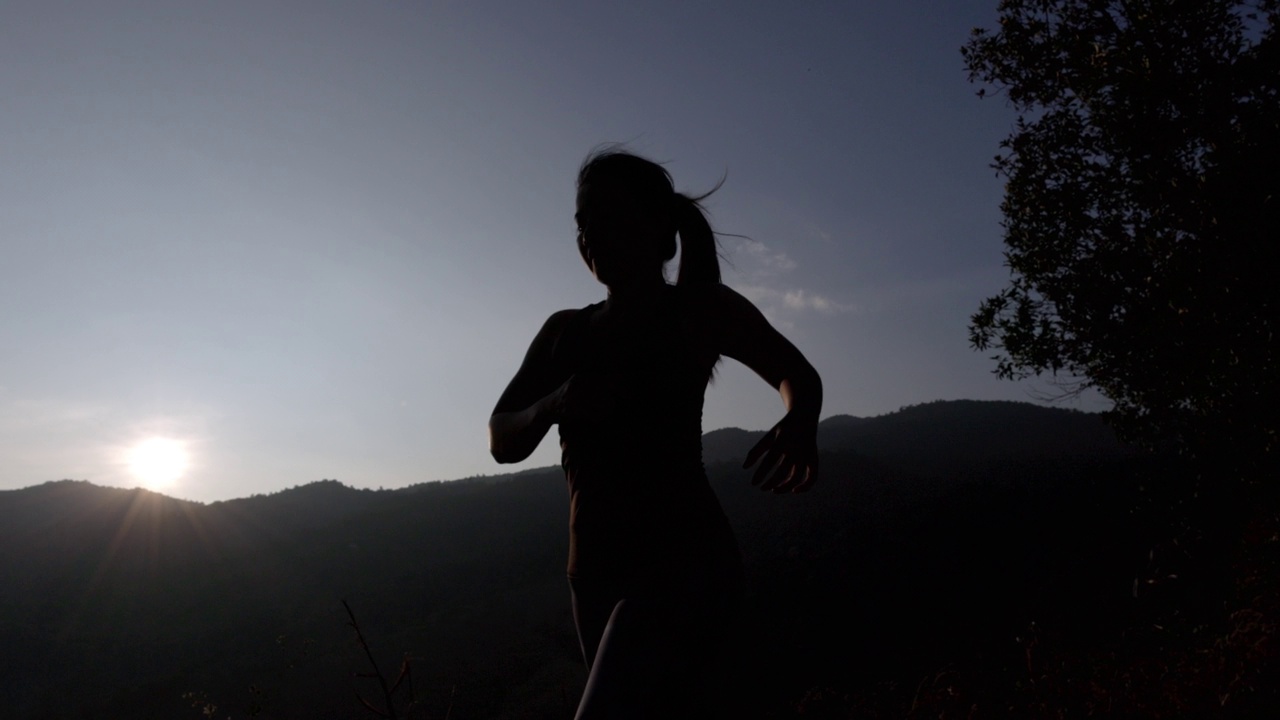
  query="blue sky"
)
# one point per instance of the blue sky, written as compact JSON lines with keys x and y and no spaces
{"x":313,"y":240}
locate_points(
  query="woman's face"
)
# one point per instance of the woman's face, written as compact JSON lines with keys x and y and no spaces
{"x":620,"y":237}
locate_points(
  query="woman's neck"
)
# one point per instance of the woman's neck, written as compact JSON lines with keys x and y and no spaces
{"x":637,"y":296}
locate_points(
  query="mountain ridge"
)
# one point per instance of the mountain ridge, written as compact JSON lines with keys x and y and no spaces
{"x":185,"y":595}
{"x":841,"y":432}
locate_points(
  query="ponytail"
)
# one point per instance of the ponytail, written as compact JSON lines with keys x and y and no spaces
{"x":699,"y":261}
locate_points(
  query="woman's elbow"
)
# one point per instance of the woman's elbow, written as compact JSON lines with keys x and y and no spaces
{"x":805,"y":376}
{"x":817,"y":379}
{"x":504,"y":456}
{"x":801,"y":390}
{"x":502,"y":452}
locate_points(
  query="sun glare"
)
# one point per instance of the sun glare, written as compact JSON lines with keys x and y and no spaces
{"x":157,"y":462}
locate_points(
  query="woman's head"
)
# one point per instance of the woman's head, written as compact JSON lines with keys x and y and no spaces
{"x":628,"y":217}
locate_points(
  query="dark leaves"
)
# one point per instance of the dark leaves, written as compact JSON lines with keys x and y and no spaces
{"x":1140,"y":212}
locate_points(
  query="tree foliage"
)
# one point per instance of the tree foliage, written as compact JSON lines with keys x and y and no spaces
{"x":1140,"y":214}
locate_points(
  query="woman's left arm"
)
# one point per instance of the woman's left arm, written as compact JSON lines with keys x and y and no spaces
{"x":788,"y":453}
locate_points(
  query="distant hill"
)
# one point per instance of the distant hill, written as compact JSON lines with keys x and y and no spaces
{"x":934,"y":529}
{"x":936,"y":437}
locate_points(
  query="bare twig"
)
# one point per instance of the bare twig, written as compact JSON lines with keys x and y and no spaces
{"x":382,"y":681}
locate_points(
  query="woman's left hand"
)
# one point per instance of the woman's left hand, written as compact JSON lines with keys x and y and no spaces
{"x":790,"y":456}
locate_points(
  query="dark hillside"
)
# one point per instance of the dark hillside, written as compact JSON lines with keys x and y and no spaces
{"x":942,"y":437}
{"x":938,"y":535}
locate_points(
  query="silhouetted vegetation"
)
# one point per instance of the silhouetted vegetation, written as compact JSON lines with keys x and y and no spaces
{"x":1140,"y":218}
{"x":958,"y":559}
{"x":1141,"y":214}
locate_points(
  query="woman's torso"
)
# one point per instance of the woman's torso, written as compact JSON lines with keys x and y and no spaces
{"x":639,"y":497}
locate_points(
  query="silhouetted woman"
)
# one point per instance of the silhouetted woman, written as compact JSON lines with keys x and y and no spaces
{"x":654,"y":568}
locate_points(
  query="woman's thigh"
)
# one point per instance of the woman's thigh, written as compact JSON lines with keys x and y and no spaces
{"x":593,"y":604}
{"x":655,"y":648}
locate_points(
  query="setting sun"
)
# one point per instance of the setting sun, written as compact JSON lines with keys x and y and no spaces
{"x":158,"y":461}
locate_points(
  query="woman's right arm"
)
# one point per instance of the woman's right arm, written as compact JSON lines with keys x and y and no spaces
{"x":533,"y":400}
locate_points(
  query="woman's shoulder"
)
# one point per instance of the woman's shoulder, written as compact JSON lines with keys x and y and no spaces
{"x":565,"y":330}
{"x":555,"y":325}
{"x":711,"y":300}
{"x":550,"y":334}
{"x":703,"y":311}
{"x":561,"y":319}
{"x":720,"y":317}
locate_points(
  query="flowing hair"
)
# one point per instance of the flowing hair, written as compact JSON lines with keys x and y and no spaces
{"x":651,"y":184}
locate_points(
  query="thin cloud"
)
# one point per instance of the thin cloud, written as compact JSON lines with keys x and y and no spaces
{"x":762,"y":268}
{"x":818,"y":233}
{"x":754,"y":259}
{"x":803,"y":300}
{"x":771,"y":301}
{"x":771,"y":260}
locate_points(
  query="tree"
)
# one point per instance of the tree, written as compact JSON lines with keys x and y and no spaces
{"x":1140,"y":212}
